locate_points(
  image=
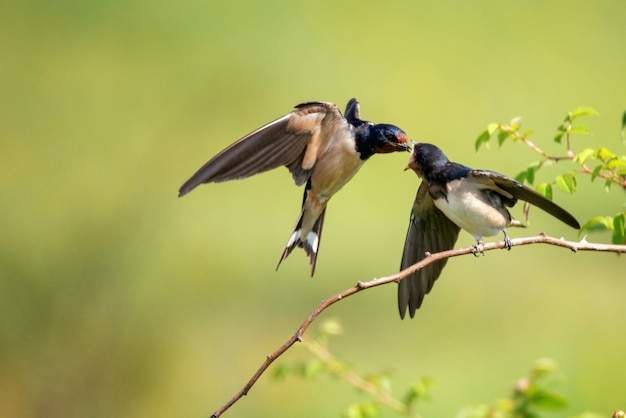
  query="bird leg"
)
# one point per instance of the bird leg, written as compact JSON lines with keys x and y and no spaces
{"x":477,"y":248}
{"x":507,"y":240}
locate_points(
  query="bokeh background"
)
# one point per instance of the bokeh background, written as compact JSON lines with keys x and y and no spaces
{"x":119,"y":300}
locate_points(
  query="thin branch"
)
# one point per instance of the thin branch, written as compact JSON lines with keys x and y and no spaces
{"x":615,"y":178}
{"x":430,"y":258}
{"x":518,"y":136}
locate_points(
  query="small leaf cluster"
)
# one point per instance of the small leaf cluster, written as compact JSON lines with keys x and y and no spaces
{"x":377,"y":385}
{"x":530,"y":397}
{"x":598,"y":163}
{"x":533,"y":394}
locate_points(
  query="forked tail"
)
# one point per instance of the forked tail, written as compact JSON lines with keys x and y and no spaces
{"x":310,"y":243}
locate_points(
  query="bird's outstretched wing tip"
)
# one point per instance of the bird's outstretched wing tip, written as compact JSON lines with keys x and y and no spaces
{"x":186,"y":188}
{"x":353,"y":110}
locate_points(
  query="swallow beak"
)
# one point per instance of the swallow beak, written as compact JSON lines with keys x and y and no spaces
{"x":410,"y":165}
{"x":398,"y":145}
{"x":402,"y":144}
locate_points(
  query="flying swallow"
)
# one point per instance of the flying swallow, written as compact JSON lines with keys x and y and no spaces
{"x":320,"y":147}
{"x":452,"y":197}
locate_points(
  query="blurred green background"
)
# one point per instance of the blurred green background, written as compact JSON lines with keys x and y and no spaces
{"x":119,"y":300}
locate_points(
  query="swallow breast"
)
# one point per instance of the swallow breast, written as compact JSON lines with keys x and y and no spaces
{"x":337,"y":164}
{"x":473,"y":210}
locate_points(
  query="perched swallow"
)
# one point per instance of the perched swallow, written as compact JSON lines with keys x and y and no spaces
{"x":454,"y":197}
{"x":319,"y":146}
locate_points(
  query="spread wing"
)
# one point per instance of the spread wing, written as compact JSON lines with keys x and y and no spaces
{"x":512,"y":188}
{"x":353,"y":110}
{"x":294,"y":140}
{"x":429,"y":231}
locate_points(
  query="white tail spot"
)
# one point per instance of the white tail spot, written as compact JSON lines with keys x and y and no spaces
{"x":313,"y":240}
{"x":293,"y":239}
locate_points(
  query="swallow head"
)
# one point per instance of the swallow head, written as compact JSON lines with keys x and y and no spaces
{"x":413,"y":163}
{"x":425,"y":158}
{"x":388,"y":138}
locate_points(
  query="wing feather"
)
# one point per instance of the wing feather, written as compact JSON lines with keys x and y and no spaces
{"x":282,"y":142}
{"x":429,"y":231}
{"x":522,"y":192}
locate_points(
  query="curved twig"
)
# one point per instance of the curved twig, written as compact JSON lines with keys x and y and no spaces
{"x":297,"y":337}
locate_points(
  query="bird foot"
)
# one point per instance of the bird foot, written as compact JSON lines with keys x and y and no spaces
{"x":507,"y":243}
{"x":477,"y":249}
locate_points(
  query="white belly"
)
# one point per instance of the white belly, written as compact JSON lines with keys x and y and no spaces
{"x":476,"y":216}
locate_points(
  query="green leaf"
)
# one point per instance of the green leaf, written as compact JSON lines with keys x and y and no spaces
{"x":331,"y":327}
{"x":558,"y":137}
{"x":567,"y":183}
{"x":604,"y":154}
{"x":530,"y":175}
{"x":595,"y":172}
{"x":584,"y":155}
{"x":599,"y":223}
{"x":361,"y":410}
{"x":543,"y":399}
{"x":615,"y":163}
{"x":544,"y":189}
{"x":282,"y":370}
{"x":619,"y":229}
{"x":531,"y":170}
{"x":521,"y":176}
{"x":352,"y":411}
{"x":485,"y":135}
{"x":418,"y":391}
{"x":312,"y":368}
{"x":579,"y":129}
{"x":543,"y":367}
{"x":607,"y":185}
{"x":582,"y":111}
{"x":483,"y":138}
{"x":492,"y":127}
{"x":502,"y":136}
{"x":588,"y":414}
{"x":370,"y":409}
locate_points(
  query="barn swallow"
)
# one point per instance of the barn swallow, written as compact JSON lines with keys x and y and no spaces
{"x":320,"y":147}
{"x":452,"y":197}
